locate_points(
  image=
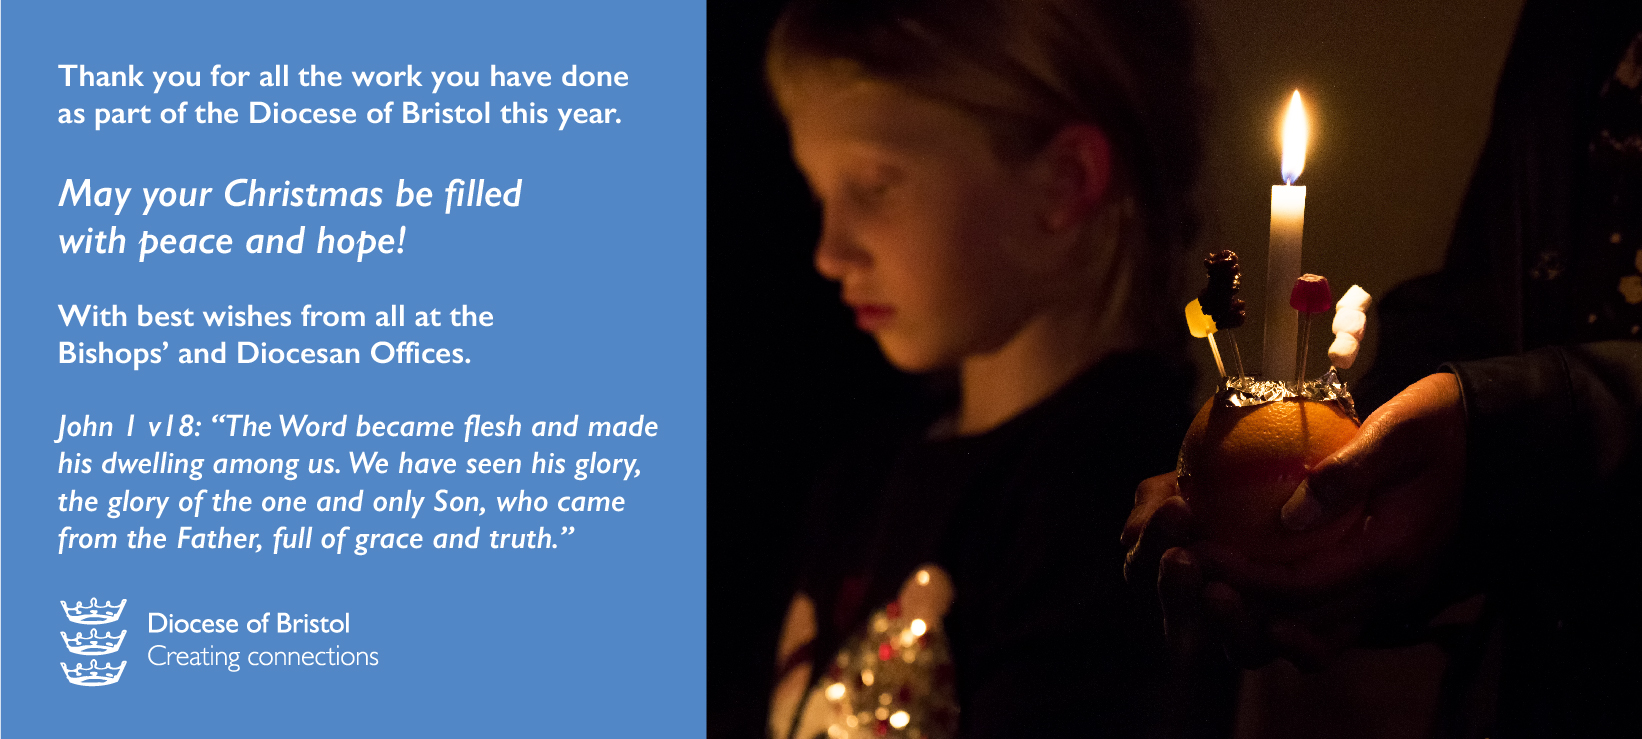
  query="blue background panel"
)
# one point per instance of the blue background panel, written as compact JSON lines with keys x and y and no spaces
{"x":596,"y":284}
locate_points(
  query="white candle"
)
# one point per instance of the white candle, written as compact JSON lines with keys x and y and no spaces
{"x":1288,"y":219}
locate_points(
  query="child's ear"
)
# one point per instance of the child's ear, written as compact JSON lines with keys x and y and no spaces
{"x":1079,"y":162}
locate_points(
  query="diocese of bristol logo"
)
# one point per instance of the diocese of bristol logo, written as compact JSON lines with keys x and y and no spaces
{"x":97,"y":675}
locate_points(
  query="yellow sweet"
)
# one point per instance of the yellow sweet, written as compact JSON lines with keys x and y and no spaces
{"x":1198,"y":322}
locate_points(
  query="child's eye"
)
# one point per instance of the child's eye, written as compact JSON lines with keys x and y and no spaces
{"x":868,"y":192}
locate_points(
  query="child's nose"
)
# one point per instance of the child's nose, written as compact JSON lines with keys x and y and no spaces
{"x":836,"y":253}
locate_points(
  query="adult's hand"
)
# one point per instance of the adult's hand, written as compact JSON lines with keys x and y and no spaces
{"x":1157,"y":534}
{"x":1407,"y":468}
{"x":1159,"y":521}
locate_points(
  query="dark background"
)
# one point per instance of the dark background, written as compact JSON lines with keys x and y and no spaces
{"x":1399,"y":93}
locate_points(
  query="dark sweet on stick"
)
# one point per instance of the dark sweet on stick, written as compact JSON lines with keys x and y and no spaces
{"x":1219,"y":299}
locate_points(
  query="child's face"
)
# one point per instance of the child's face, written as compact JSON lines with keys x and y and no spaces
{"x":934,"y":239}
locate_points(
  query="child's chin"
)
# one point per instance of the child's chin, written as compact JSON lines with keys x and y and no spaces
{"x":907,"y":357}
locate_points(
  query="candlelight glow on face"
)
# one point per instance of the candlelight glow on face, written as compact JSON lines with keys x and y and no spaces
{"x":1295,"y":133}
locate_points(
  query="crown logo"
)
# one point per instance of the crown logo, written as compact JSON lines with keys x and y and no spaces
{"x":93,"y":645}
{"x":94,"y":613}
{"x":94,"y":676}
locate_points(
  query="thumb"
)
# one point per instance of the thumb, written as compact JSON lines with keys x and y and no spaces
{"x":1342,"y":480}
{"x":1396,"y":442}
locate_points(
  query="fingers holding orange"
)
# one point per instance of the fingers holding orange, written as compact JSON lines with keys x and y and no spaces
{"x":1168,"y":527}
{"x":1150,"y":494}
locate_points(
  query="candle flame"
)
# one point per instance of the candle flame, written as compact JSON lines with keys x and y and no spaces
{"x":1295,"y":132}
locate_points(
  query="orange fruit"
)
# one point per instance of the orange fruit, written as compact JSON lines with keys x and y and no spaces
{"x":1239,"y":465}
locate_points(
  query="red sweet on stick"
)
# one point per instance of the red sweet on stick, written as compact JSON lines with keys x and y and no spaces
{"x":1311,"y":295}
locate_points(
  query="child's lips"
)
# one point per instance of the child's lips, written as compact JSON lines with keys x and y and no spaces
{"x":870,"y":317}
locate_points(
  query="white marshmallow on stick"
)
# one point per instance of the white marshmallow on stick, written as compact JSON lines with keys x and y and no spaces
{"x":1349,"y":319}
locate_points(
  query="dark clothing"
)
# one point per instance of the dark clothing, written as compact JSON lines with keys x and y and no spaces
{"x":1544,"y":256}
{"x":1550,"y":534}
{"x":1532,"y":257}
{"x":1046,"y":637}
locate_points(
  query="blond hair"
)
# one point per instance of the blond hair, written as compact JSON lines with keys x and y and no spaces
{"x":1026,"y":69}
